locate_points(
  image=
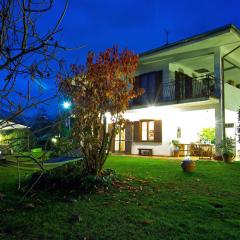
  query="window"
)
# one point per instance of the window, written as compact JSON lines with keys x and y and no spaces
{"x":147,"y":130}
{"x":120,"y":140}
{"x":151,"y":83}
{"x":151,"y":131}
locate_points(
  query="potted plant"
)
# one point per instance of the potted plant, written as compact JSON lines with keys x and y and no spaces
{"x":227,"y":149}
{"x":175,"y":144}
{"x":231,"y":82}
{"x":188,"y":165}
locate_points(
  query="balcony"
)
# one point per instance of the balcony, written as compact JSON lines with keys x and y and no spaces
{"x":178,"y":90}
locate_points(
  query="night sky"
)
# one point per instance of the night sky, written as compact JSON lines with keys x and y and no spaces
{"x":139,"y":25}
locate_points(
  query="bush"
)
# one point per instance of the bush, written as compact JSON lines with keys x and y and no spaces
{"x":207,"y":134}
{"x":72,"y":176}
{"x":62,"y":147}
{"x":19,"y":139}
{"x":227,"y":146}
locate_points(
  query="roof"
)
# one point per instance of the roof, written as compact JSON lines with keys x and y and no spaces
{"x":198,"y":37}
{"x":23,"y":120}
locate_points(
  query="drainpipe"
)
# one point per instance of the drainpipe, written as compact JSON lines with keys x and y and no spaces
{"x":222,"y":98}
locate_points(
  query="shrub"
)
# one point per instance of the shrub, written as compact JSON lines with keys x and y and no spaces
{"x":71,"y":176}
{"x":227,"y":146}
{"x":207,"y":134}
{"x":19,"y":139}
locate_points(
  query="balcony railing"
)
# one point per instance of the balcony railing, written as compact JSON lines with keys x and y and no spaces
{"x":177,"y":90}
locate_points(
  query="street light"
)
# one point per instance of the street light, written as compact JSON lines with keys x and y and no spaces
{"x":67,"y":104}
{"x":54,"y":140}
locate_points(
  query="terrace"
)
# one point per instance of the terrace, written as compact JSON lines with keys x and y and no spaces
{"x":197,"y":88}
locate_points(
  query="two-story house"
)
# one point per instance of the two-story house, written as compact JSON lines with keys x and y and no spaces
{"x":189,"y":85}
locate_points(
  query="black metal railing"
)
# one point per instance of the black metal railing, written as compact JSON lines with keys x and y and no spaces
{"x":177,"y":90}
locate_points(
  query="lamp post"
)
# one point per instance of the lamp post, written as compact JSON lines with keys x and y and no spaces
{"x":67,"y":106}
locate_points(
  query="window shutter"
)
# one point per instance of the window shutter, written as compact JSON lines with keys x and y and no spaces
{"x":158,"y":131}
{"x":137,"y":83}
{"x":137,"y":86}
{"x":159,"y":86}
{"x":177,"y":85}
{"x":188,"y":86}
{"x":128,"y":138}
{"x":136,"y":133}
{"x":112,"y":148}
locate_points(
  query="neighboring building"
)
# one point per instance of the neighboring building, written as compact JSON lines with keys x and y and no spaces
{"x":7,"y":126}
{"x":19,"y":122}
{"x":189,"y":85}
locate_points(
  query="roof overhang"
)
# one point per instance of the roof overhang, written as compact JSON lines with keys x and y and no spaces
{"x":11,"y":126}
{"x":227,"y":36}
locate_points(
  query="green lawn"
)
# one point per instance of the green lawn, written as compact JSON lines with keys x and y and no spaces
{"x":164,"y":204}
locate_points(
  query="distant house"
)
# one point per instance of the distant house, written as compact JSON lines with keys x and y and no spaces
{"x":18,"y":122}
{"x":189,"y":85}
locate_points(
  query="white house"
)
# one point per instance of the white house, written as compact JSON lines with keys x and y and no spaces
{"x":189,"y":85}
{"x":19,"y":122}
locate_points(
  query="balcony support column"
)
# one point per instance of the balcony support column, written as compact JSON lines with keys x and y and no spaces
{"x":219,"y":92}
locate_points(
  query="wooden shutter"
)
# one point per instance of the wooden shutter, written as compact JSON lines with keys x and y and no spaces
{"x":158,"y":131}
{"x":128,"y":138}
{"x":159,"y":86}
{"x":112,"y":148}
{"x":137,"y":83}
{"x":177,"y":85}
{"x":136,"y":131}
{"x":137,"y":86}
{"x":188,"y":86}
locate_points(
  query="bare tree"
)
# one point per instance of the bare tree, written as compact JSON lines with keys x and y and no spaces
{"x":27,"y":54}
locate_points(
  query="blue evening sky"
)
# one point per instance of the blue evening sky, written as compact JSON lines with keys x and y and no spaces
{"x":138,"y":25}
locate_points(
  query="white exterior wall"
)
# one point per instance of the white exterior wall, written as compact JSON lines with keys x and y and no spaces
{"x":190,"y":122}
{"x":169,"y":127}
{"x":232,"y":97}
{"x":232,"y":105}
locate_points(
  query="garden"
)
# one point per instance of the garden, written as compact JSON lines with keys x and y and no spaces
{"x":151,"y":199}
{"x":59,"y":176}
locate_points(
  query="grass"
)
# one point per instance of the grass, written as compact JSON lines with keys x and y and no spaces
{"x":164,"y":203}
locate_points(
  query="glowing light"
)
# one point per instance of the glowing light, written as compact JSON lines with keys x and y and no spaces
{"x":67,"y":104}
{"x":151,"y":108}
{"x":54,"y":140}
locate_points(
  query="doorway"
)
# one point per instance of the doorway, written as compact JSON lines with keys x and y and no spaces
{"x":120,"y":141}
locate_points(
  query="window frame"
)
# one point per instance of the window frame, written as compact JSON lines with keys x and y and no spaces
{"x":147,"y":121}
{"x":120,"y":138}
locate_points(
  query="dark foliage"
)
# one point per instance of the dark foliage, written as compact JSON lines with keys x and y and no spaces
{"x":71,"y":177}
{"x":18,"y":139}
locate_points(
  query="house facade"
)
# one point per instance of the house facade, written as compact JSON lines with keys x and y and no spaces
{"x":189,"y":86}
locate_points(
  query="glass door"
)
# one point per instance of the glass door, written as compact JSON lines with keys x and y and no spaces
{"x":120,"y":141}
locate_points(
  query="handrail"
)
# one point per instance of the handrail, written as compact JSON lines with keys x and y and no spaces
{"x":177,"y":90}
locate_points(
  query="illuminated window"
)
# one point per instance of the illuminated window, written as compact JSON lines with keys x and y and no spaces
{"x":147,"y":130}
{"x":144,"y":131}
{"x":151,"y":131}
{"x":120,"y":140}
